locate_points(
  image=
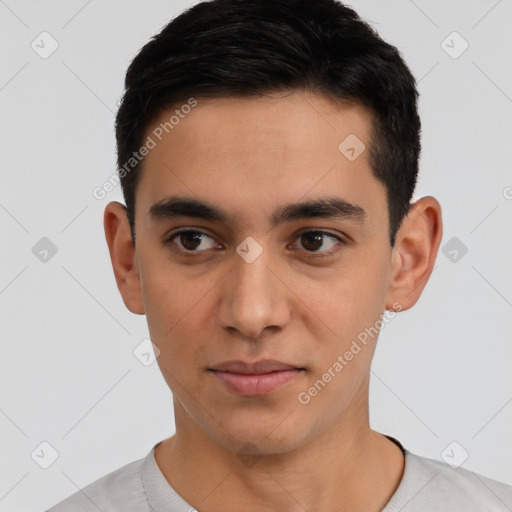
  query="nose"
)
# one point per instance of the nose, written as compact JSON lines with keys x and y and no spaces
{"x":253,"y":298}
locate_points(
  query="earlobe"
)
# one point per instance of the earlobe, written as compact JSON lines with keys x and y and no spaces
{"x":415,"y":252}
{"x":123,"y":257}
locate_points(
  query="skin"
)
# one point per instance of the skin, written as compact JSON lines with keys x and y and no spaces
{"x":249,"y":156}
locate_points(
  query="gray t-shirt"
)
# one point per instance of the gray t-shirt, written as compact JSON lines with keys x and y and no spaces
{"x":427,"y":485}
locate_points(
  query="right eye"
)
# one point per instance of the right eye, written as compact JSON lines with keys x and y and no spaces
{"x":189,"y":240}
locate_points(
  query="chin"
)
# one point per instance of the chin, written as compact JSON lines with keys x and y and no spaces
{"x":256,"y":437}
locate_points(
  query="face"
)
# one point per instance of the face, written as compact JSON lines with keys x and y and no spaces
{"x":248,"y":285}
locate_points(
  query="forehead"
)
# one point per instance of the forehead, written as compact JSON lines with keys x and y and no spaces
{"x":257,"y":152}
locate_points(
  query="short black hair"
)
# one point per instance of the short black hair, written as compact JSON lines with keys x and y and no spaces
{"x":246,"y":48}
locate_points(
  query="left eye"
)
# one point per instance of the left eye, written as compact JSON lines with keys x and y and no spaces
{"x":313,"y":240}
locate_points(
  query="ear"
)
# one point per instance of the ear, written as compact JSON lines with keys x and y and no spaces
{"x":414,"y":253}
{"x":122,"y":254}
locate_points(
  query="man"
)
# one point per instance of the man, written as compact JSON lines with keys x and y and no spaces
{"x":268,"y":153}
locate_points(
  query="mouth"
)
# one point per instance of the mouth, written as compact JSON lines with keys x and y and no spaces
{"x":255,"y":379}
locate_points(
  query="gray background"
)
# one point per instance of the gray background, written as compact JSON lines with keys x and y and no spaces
{"x":68,"y":375}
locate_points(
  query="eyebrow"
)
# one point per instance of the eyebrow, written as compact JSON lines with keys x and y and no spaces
{"x":324,"y":208}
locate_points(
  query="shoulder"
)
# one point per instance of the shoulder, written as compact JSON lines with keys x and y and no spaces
{"x":428,"y":484}
{"x":121,"y":489}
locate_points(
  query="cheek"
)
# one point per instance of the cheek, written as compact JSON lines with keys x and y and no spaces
{"x":349,"y":307}
{"x":170,"y":308}
{"x":170,"y":295}
{"x":364,"y":290}
{"x":353,"y":301}
{"x":343,"y":357}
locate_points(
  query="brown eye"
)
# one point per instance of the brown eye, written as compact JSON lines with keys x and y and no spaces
{"x":314,"y":241}
{"x":189,"y":240}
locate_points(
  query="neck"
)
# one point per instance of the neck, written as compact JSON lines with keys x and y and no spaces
{"x":349,"y":467}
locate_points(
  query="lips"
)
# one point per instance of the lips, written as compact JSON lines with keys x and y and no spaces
{"x":257,"y":368}
{"x":255,"y":379}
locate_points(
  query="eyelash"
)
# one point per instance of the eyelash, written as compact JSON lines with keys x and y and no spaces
{"x":323,"y":254}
